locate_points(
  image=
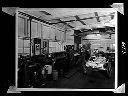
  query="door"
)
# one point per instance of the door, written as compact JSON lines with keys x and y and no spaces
{"x":45,"y":46}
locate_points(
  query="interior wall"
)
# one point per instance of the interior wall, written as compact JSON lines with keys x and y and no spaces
{"x":43,"y":31}
{"x":23,"y":45}
{"x":77,"y":40}
{"x":100,"y":42}
{"x":69,"y":37}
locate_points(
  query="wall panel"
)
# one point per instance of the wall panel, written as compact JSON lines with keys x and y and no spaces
{"x":52,"y":33}
{"x":69,"y":38}
{"x":45,"y":32}
{"x":34,"y":29}
{"x":39,"y":30}
{"x":102,"y":43}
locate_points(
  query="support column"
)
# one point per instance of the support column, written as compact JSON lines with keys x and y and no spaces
{"x":77,"y":40}
{"x":30,"y":36}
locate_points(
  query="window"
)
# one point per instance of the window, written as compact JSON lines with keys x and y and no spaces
{"x":21,"y":27}
{"x":34,"y":29}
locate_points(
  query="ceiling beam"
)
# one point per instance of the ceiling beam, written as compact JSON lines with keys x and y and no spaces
{"x":85,"y":18}
{"x":86,"y":33}
{"x":65,"y":23}
{"x":77,"y":17}
{"x":44,"y":12}
{"x":33,"y":17}
{"x":97,"y":17}
{"x":101,"y":30}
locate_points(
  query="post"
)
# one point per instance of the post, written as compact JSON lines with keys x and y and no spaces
{"x":23,"y":46}
{"x":30,"y":34}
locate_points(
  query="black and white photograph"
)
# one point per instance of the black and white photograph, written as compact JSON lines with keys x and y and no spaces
{"x":66,"y":49}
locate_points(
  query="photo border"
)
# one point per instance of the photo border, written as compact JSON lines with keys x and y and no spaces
{"x":63,"y":89}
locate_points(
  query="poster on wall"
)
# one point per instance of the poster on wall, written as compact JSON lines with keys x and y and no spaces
{"x":37,"y":49}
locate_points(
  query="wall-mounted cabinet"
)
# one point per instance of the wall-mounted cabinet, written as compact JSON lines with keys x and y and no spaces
{"x":44,"y":32}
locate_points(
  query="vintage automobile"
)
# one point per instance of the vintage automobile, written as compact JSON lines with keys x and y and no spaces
{"x":98,"y":63}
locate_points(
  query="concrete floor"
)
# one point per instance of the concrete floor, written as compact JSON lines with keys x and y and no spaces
{"x":93,"y":80}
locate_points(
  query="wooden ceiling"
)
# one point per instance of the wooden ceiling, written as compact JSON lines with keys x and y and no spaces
{"x":71,"y":18}
{"x":74,"y":18}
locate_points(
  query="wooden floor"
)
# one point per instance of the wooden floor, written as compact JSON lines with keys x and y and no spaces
{"x":76,"y":79}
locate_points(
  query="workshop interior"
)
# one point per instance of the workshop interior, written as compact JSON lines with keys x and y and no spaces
{"x":70,"y":48}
